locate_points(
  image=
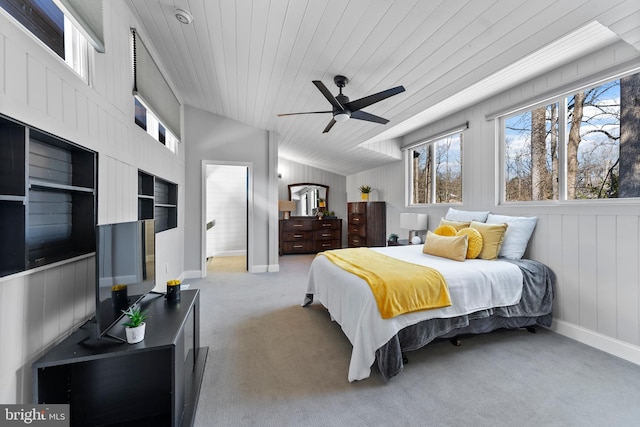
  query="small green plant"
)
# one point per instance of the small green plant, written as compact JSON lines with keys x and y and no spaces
{"x":393,"y":236}
{"x":136,"y":317}
{"x":365,"y":189}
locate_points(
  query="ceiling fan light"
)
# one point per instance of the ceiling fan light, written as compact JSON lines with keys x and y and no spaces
{"x":342,"y":116}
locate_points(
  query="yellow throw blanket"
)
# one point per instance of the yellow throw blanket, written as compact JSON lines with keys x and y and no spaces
{"x":399,"y":287}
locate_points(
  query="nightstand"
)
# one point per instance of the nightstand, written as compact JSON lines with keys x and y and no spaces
{"x":400,"y":242}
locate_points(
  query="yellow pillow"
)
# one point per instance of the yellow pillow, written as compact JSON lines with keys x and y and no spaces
{"x":455,"y":224}
{"x":452,"y":247}
{"x":445,"y":230}
{"x":492,"y":237}
{"x":475,"y":241}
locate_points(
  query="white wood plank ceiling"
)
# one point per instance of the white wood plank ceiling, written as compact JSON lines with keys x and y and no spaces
{"x":249,"y":60}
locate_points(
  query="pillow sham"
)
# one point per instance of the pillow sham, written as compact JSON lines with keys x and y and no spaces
{"x":455,"y":224}
{"x":445,"y":230}
{"x":517,"y":236}
{"x":452,"y":247}
{"x":492,"y":237}
{"x":468,"y":216}
{"x":475,"y":241}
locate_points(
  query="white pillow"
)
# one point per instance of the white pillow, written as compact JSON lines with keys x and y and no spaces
{"x":517,"y":235}
{"x":466,"y":216}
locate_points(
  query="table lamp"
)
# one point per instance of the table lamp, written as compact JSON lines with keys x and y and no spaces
{"x":286,"y":207}
{"x":416,"y":224}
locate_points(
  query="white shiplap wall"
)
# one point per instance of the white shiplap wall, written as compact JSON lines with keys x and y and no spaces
{"x":227,"y":204}
{"x":594,"y":248}
{"x":40,"y":307}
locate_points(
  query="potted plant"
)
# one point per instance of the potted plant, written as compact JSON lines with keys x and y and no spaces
{"x":393,"y":238}
{"x":364,"y":191}
{"x":135,"y":327}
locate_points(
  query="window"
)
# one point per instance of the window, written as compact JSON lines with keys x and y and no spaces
{"x":583,"y":146}
{"x":51,"y":26}
{"x":148,"y":121}
{"x":157,"y":110}
{"x":436,"y":170}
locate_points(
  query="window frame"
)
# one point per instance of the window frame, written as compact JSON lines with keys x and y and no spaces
{"x":153,"y":125}
{"x":87,"y":49}
{"x":560,"y":96}
{"x":432,"y":141}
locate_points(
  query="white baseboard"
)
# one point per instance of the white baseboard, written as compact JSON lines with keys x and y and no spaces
{"x":259,"y":269}
{"x":192,"y":274}
{"x":607,"y":344}
{"x":239,"y":252}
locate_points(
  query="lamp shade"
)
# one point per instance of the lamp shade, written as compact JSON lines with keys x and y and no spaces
{"x":414,"y":221}
{"x":286,"y":205}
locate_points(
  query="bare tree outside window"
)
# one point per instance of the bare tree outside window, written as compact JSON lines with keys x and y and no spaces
{"x":602,"y":146}
{"x":437,"y":171}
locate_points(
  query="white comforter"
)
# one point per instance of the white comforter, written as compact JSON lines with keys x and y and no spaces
{"x":473,"y":285}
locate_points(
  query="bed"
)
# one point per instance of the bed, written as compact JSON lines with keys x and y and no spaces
{"x":485,"y":295}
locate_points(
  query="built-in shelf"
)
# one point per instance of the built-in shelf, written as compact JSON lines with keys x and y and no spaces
{"x":158,"y":200}
{"x":47,"y":198}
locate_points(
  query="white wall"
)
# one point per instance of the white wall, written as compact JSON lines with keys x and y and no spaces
{"x":215,"y":139}
{"x":592,"y":247}
{"x":40,"y":307}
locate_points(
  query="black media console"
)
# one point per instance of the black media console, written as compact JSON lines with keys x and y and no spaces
{"x":107,"y":383}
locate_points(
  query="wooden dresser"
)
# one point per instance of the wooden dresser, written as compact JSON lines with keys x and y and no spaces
{"x":302,"y":235}
{"x":367,"y":224}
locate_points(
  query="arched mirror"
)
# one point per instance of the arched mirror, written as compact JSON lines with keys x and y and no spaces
{"x":309,"y":198}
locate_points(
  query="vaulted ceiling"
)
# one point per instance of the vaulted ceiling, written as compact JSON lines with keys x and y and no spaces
{"x":249,"y":60}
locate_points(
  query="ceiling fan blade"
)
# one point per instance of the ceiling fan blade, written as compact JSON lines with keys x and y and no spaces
{"x":372,"y":99}
{"x":329,"y":126}
{"x":332,"y":99}
{"x":307,"y":112}
{"x":361,"y":115}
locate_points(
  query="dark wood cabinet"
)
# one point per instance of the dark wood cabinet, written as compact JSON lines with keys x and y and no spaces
{"x":367,"y":224}
{"x":300,"y":235}
{"x":110,"y":383}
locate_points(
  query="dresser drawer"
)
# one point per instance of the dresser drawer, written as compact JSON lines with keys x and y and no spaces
{"x":297,"y":225}
{"x":325,"y":245}
{"x":328,"y":224}
{"x":356,"y":241}
{"x":327,"y":234}
{"x":302,"y":246}
{"x":357,"y":207}
{"x":356,"y":219}
{"x":293,"y":236}
{"x":357,"y":230}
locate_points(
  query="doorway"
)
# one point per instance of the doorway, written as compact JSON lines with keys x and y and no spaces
{"x":226,"y":217}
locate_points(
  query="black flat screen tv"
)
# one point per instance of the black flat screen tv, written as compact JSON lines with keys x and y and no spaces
{"x":125,"y":269}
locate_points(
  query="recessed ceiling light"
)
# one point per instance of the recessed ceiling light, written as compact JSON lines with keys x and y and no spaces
{"x":183,"y":16}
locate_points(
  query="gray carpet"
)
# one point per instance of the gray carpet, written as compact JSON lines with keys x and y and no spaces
{"x":274,"y":363}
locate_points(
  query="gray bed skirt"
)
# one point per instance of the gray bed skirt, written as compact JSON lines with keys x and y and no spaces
{"x":534,"y":308}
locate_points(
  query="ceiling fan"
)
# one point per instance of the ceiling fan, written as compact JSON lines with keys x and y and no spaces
{"x":343,"y":109}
